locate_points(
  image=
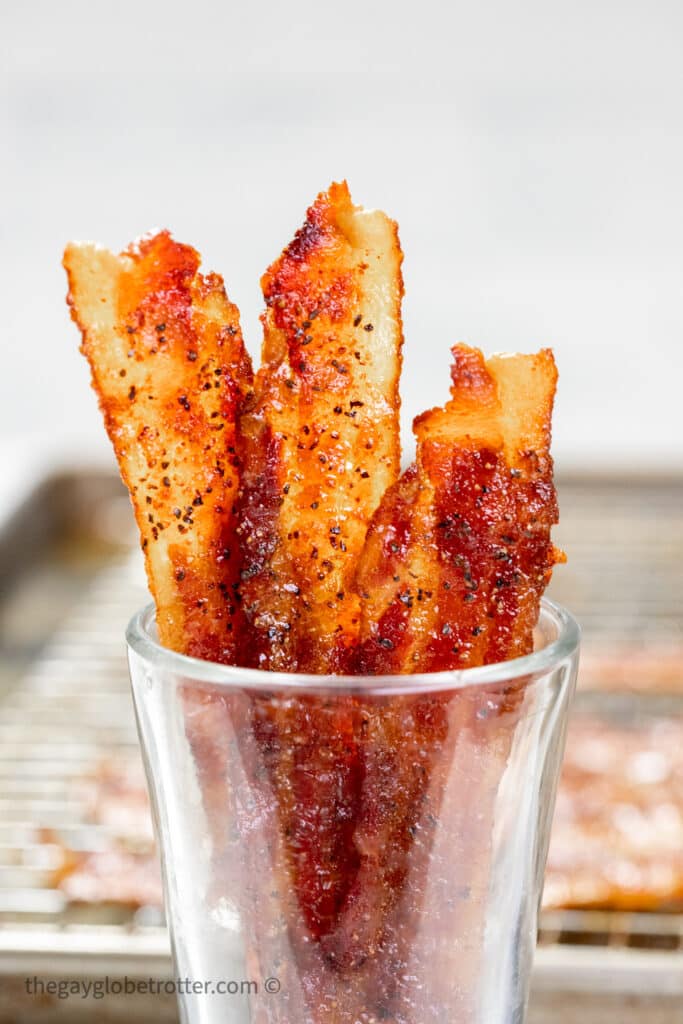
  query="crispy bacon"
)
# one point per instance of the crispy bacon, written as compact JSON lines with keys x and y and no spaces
{"x":617,"y":838}
{"x":335,"y":797}
{"x":114,"y":876}
{"x":320,"y":444}
{"x":170,"y":370}
{"x":453,"y":569}
{"x":459,"y":552}
{"x":320,"y":437}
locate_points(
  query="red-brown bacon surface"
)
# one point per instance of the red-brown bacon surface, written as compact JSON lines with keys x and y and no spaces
{"x":459,"y":552}
{"x":254,"y":500}
{"x":170,"y":370}
{"x":320,"y":437}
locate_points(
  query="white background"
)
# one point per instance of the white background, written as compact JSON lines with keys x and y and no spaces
{"x":532,"y":154}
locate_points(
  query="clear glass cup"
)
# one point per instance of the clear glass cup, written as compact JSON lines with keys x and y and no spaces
{"x":353,"y":850}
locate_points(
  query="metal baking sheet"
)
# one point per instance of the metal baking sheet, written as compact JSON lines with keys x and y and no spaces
{"x":71,"y":578}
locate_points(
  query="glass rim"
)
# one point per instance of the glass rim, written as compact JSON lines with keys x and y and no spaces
{"x":563,"y":647}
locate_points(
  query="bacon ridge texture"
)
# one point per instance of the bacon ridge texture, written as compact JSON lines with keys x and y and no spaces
{"x":170,"y":370}
{"x":320,"y":435}
{"x":459,"y":552}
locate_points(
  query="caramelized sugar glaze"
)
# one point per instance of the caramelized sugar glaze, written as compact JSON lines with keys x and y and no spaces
{"x":279,"y":535}
{"x":170,"y":370}
{"x":320,"y":434}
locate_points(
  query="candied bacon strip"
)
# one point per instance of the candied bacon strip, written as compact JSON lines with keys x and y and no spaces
{"x":320,"y":437}
{"x":431,"y":578}
{"x":459,"y":552}
{"x":319,"y":446}
{"x":170,"y":370}
{"x":401,"y":739}
{"x":310,"y":748}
